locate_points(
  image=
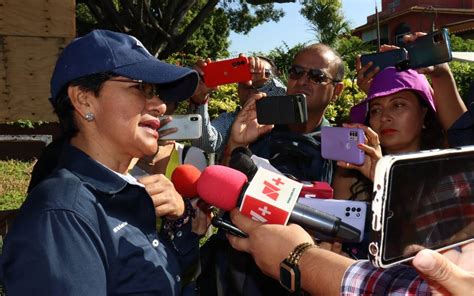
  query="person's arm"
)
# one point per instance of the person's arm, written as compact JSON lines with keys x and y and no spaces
{"x":269,"y":244}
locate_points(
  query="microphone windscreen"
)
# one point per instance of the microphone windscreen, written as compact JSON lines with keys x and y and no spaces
{"x":242,"y":150}
{"x":244,"y":164}
{"x":184,"y":178}
{"x":221,"y":186}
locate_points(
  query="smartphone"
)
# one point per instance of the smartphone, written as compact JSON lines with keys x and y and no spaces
{"x":351,"y":212}
{"x":421,"y":200}
{"x":429,"y":50}
{"x":189,"y":127}
{"x":340,"y":143}
{"x":397,"y":58}
{"x":227,"y":71}
{"x":282,"y":109}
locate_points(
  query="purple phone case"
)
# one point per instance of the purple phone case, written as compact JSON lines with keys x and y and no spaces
{"x":340,"y":143}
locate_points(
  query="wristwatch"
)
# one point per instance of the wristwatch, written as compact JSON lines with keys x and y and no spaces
{"x":290,"y":276}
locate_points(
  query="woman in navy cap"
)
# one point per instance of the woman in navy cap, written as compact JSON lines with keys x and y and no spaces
{"x":89,"y":228}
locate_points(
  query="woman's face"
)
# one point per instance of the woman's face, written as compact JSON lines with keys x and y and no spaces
{"x":126,"y":114}
{"x":398,"y":120}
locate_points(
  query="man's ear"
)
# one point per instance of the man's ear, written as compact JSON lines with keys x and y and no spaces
{"x":338,"y":88}
{"x":80,"y":100}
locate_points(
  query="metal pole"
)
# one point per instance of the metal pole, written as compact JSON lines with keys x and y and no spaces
{"x":377,"y":22}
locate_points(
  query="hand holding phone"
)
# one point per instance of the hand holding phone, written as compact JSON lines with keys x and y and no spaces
{"x":397,"y":58}
{"x":227,"y":71}
{"x":429,"y":50}
{"x":422,"y":200}
{"x":282,"y":109}
{"x":187,"y":127}
{"x":341,"y":143}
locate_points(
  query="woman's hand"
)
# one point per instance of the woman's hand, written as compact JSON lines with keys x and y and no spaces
{"x":202,"y":220}
{"x":167,"y":201}
{"x":372,"y":149}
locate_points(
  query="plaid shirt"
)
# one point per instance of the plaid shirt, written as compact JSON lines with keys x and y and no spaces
{"x":362,"y":278}
{"x":448,"y":210}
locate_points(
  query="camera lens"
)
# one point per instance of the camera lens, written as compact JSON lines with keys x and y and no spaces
{"x":194,"y":118}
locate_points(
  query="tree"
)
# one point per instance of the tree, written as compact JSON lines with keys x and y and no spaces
{"x":165,"y":26}
{"x":326,"y":19}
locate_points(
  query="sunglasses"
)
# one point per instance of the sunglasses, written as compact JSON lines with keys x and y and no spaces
{"x":316,"y":75}
{"x":148,"y":89}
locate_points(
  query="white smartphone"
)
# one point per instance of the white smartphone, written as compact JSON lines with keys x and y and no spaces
{"x":189,"y":127}
{"x":350,"y":211}
{"x":421,"y":200}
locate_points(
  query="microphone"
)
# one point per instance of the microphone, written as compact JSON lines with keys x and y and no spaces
{"x":227,"y":188}
{"x":184,"y":179}
{"x":240,"y":160}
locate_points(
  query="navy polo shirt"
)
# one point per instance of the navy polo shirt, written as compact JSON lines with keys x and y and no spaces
{"x":85,"y":231}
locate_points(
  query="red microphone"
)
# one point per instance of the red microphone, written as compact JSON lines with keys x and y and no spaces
{"x":227,"y":188}
{"x":184,"y":179}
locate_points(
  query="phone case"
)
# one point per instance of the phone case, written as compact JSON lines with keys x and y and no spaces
{"x":351,"y":212}
{"x":189,"y":127}
{"x":227,"y":71}
{"x":282,"y":109}
{"x":397,"y":58}
{"x":421,"y":199}
{"x":340,"y":143}
{"x":429,"y":50}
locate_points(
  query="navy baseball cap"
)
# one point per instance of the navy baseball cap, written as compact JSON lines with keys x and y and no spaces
{"x":106,"y":51}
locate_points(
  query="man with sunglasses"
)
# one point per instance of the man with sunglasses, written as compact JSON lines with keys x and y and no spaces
{"x":316,"y":72}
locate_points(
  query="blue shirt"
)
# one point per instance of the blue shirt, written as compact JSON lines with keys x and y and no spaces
{"x":461,"y":133}
{"x":86,"y":231}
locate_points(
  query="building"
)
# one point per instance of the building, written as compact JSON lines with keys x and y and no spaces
{"x":398,"y":17}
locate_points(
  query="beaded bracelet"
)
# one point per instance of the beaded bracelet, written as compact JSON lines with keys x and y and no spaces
{"x":189,"y":212}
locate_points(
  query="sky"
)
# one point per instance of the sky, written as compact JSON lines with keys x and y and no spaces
{"x":293,"y":28}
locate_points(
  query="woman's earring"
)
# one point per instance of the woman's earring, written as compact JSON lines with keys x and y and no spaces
{"x":89,"y":116}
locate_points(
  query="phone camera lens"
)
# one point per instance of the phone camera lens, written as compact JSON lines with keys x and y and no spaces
{"x":348,"y":209}
{"x":194,"y":118}
{"x":348,"y":214}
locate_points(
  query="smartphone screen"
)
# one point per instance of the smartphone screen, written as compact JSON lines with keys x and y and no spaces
{"x":282,"y":109}
{"x":430,"y":204}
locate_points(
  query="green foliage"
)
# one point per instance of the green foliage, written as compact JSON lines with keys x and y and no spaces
{"x":26,"y":123}
{"x":211,"y":39}
{"x":463,"y":75}
{"x":15,"y":176}
{"x":459,"y":44}
{"x":225,"y":99}
{"x":326,"y":19}
{"x":338,"y":112}
{"x":243,"y":17}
